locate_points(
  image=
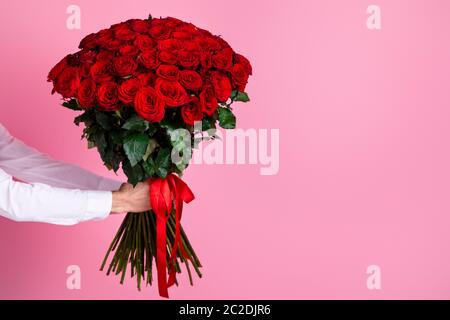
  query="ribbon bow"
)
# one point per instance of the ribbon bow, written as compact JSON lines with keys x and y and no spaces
{"x":167,"y":194}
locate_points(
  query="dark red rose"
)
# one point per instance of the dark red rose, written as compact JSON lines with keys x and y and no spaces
{"x":105,"y":55}
{"x":168,"y":57}
{"x":192,"y":111}
{"x":57,"y":69}
{"x":208,"y":100}
{"x":222,"y":86}
{"x":206,"y":60}
{"x":87,"y":56}
{"x":182,"y":35}
{"x":239,"y":76}
{"x":207,"y":44}
{"x":67,"y":82}
{"x":170,"y":45}
{"x":223,"y":60}
{"x":188,"y":28}
{"x":191,"y":80}
{"x":88,"y":42}
{"x":128,"y":50}
{"x":123,"y":32}
{"x":113,"y":45}
{"x":244,"y":61}
{"x":168,"y":72}
{"x":101,"y":71}
{"x":144,"y":42}
{"x":147,"y":79}
{"x":85,"y":69}
{"x":149,"y":105}
{"x":149,"y":59}
{"x":159,"y":32}
{"x":104,"y":37}
{"x":125,"y":65}
{"x":222,"y":43}
{"x":173,"y":93}
{"x":141,"y":26}
{"x":128,"y":90}
{"x":87,"y":92}
{"x":188,"y":59}
{"x":107,"y":96}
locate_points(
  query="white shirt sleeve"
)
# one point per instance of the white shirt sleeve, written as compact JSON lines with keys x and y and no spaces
{"x":48,"y":198}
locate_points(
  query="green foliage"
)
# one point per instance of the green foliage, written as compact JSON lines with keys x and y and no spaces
{"x":227,"y":120}
{"x":135,"y":146}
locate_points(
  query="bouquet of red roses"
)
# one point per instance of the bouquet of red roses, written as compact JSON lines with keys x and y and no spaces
{"x":142,"y":87}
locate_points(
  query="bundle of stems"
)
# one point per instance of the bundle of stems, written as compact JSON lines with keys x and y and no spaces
{"x":135,"y":245}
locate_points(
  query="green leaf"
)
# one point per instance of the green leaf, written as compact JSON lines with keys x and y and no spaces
{"x":86,"y":116}
{"x":136,"y":123}
{"x":72,"y":104}
{"x":149,"y":167}
{"x":240,"y":96}
{"x":208,"y":123}
{"x":135,"y":146}
{"x":103,"y":120}
{"x":99,"y":139}
{"x":162,"y":162}
{"x":152,"y":144}
{"x":133,"y":173}
{"x":227,"y":120}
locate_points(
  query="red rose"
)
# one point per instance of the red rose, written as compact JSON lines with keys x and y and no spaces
{"x":128,"y":50}
{"x":123,"y":32}
{"x":67,"y":82}
{"x":149,"y":105}
{"x":207,"y":44}
{"x":206,"y":60}
{"x":191,"y":80}
{"x":159,"y":32}
{"x":125,"y":65}
{"x":192,"y":111}
{"x":57,"y":69}
{"x":104,"y":37}
{"x":168,"y":57}
{"x":113,"y":44}
{"x":101,"y":71}
{"x":170,"y":45}
{"x":144,"y":42}
{"x":168,"y":72}
{"x":105,"y":55}
{"x":128,"y":90}
{"x":88,"y":42}
{"x":223,"y":60}
{"x":244,"y":62}
{"x":149,"y":59}
{"x":173,"y":92}
{"x":182,"y":35}
{"x":222,"y":86}
{"x":188,"y":59}
{"x":86,"y":56}
{"x":208,"y":100}
{"x":86,"y":93}
{"x":147,"y":79}
{"x":107,"y":96}
{"x":139,"y":25}
{"x":239,"y":76}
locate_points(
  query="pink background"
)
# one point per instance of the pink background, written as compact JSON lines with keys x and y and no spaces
{"x":364,"y":165}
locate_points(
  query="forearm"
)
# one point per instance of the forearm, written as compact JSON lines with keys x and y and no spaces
{"x":42,"y":203}
{"x":28,"y":164}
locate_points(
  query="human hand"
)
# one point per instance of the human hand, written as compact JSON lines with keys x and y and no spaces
{"x":131,"y":199}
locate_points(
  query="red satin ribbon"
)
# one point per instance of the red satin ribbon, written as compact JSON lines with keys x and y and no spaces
{"x":166,"y":194}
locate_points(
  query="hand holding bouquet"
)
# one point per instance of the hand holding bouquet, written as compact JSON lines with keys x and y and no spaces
{"x":143,"y":86}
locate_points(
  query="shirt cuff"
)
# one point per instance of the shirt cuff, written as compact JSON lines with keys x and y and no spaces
{"x":109,"y":185}
{"x":99,"y":205}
